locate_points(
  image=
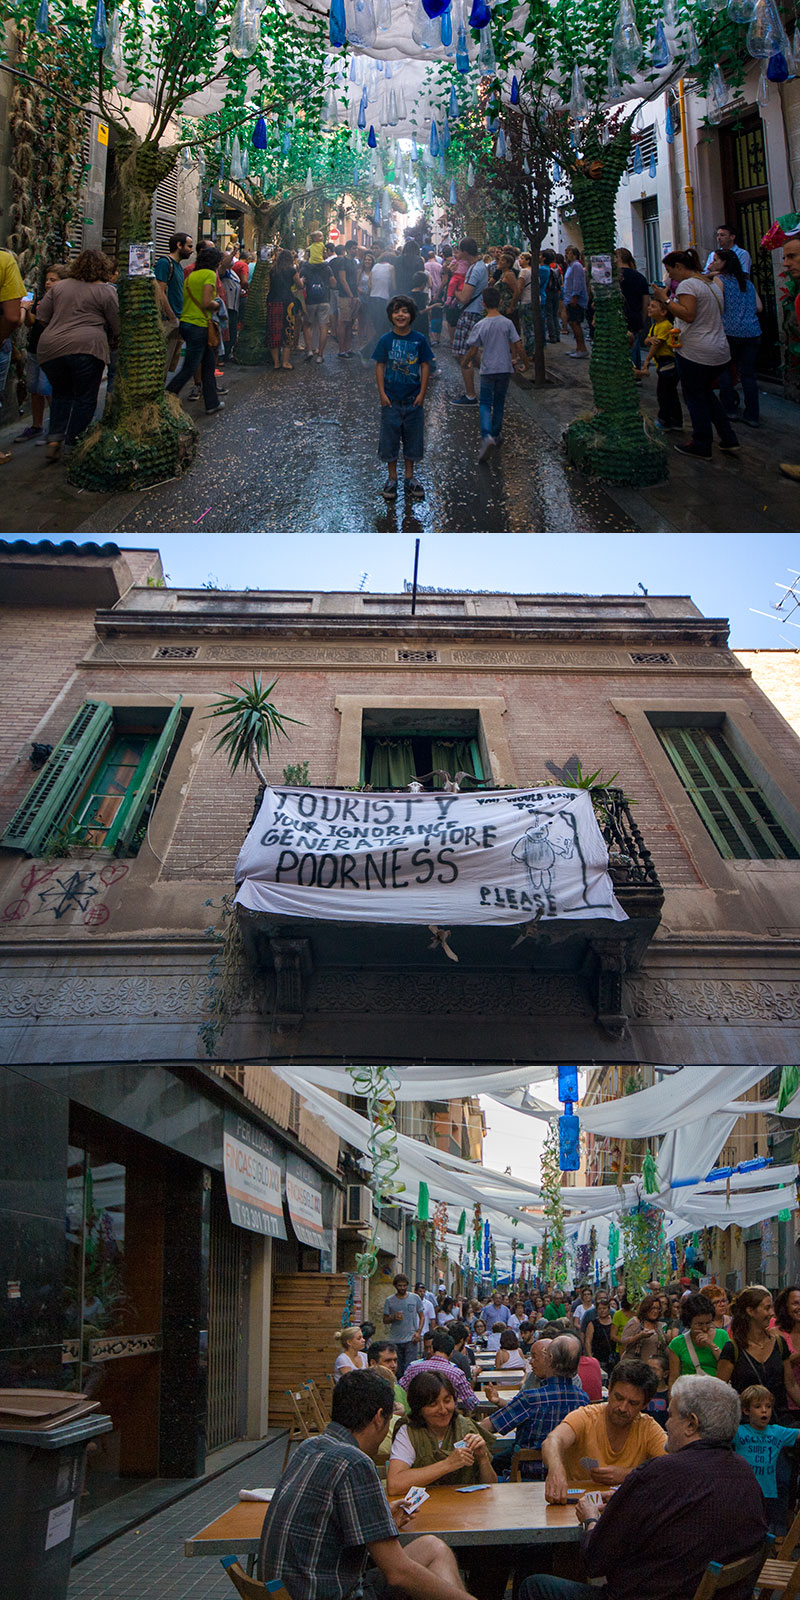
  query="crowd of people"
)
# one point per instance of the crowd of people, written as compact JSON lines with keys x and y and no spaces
{"x":698,"y":330}
{"x":672,"y":1425}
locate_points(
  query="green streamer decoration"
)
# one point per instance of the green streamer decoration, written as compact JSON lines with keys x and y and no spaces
{"x":790,"y":1083}
{"x":462,"y":1225}
{"x":555,"y":1263}
{"x":378,"y":1085}
{"x":652,"y":1183}
{"x":423,"y":1203}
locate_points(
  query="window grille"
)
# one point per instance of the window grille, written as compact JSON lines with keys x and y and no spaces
{"x":176,"y":652}
{"x":418,"y":657}
{"x":651,"y":658}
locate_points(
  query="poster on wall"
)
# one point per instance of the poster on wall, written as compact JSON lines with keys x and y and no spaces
{"x":252,"y":1164}
{"x":506,"y":856}
{"x":304,"y":1199}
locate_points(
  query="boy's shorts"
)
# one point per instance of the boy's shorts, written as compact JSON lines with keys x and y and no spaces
{"x":402,"y":423}
{"x":575,"y":313}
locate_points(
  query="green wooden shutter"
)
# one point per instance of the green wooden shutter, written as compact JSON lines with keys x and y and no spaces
{"x":49,"y":802}
{"x":732,"y":807}
{"x":129,"y":815}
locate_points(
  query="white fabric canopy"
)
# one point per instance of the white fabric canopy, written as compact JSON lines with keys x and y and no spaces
{"x":687,"y":1096}
{"x":453,"y":1080}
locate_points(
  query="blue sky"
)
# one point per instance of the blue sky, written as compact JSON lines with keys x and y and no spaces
{"x":728,"y":575}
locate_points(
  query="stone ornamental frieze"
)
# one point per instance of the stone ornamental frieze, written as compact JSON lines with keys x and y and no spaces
{"x":532,"y":656}
{"x":712,"y":1000}
{"x":449,"y":994}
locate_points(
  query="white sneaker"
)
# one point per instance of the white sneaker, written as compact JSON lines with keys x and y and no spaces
{"x":578,"y":355}
{"x":486,"y":445}
{"x":318,"y":360}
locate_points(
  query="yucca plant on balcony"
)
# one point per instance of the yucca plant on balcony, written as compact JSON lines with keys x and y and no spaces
{"x":252,"y":721}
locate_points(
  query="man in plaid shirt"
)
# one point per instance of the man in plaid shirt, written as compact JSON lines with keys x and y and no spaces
{"x":330,"y":1512}
{"x":536,"y":1412}
{"x":440,"y":1362}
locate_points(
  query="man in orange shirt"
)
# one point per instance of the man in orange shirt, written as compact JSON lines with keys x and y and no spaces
{"x":604,"y":1443}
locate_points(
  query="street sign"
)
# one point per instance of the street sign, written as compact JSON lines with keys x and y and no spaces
{"x":334,"y":235}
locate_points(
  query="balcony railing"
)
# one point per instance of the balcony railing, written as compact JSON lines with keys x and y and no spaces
{"x":629,"y":860}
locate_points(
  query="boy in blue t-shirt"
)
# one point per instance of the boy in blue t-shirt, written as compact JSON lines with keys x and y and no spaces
{"x":403,"y":369}
{"x":761,"y":1444}
{"x":495,"y":339}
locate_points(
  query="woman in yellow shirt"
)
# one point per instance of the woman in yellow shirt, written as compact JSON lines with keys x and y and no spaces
{"x":661,"y":342}
{"x":199,"y":301}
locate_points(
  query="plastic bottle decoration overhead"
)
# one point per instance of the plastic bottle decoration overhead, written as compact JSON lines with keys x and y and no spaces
{"x":569,"y":1155}
{"x":236,"y":160}
{"x":778,"y":68}
{"x":669,"y":127}
{"x":245,"y":30}
{"x":662,"y":55}
{"x":42,"y":22}
{"x":446,"y":30}
{"x":500,"y":146}
{"x":626,"y":44}
{"x":470,"y":176}
{"x":425,"y":31}
{"x":765,"y":32}
{"x":578,"y":100}
{"x":514,"y":95}
{"x":462,"y":53}
{"x":487,"y":62}
{"x":452,"y":106}
{"x":309,"y":181}
{"x":434,"y":144}
{"x":383,"y":15}
{"x":99,"y":33}
{"x":653,"y":167}
{"x":337,"y":25}
{"x":741,"y":10}
{"x":435,"y":8}
{"x":260,"y":134}
{"x":371,"y":140}
{"x":362,"y":110}
{"x":286,"y":142}
{"x":453,"y":193}
{"x":362,"y":29}
{"x":638,"y":164}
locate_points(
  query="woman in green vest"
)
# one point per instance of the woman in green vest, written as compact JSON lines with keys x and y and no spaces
{"x":436,"y":1444}
{"x":696,"y":1351}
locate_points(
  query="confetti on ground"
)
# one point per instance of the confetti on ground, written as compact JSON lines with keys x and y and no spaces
{"x":202,"y":515}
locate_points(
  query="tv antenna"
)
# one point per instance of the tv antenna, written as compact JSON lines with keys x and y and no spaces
{"x":787,"y":606}
{"x":642,"y":587}
{"x":362,"y":582}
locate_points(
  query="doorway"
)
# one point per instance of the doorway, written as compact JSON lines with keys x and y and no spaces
{"x":651,"y":234}
{"x":228,"y":1280}
{"x":745,"y":187}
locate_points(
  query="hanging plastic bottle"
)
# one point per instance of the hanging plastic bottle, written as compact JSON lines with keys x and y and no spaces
{"x":638,"y":164}
{"x":765,"y":32}
{"x":670,"y":13}
{"x":376,"y":218}
{"x":762,"y":95}
{"x":526,"y":167}
{"x":669,"y":126}
{"x":578,"y":101}
{"x":441,"y":165}
{"x":500,"y":145}
{"x":236,"y":160}
{"x":487,"y":64}
{"x":428,"y":194}
{"x":638,"y":121}
{"x":778,"y":68}
{"x":470,"y":176}
{"x":446,"y":28}
{"x":414,"y":150}
{"x":473,"y":95}
{"x":201,"y":8}
{"x":626,"y":42}
{"x":402,"y":110}
{"x":514,"y":95}
{"x":452,"y":106}
{"x":653,"y":167}
{"x":362,"y":110}
{"x":245,"y":30}
{"x":245,"y":163}
{"x":693,"y":55}
{"x":426,"y":32}
{"x":383,"y":15}
{"x":309,"y":181}
{"x":662,"y":55}
{"x":556,"y":172}
{"x":99,"y":33}
{"x":434,"y":144}
{"x":480,"y":16}
{"x":392,"y":118}
{"x":462,"y":53}
{"x":445,"y":137}
{"x":112,"y":55}
{"x":42,"y":23}
{"x":615,"y":90}
{"x":362,"y":29}
{"x":453,"y":193}
{"x":741,"y":10}
{"x":371,"y":140}
{"x":717,"y":87}
{"x":286,"y":142}
{"x":337,"y":25}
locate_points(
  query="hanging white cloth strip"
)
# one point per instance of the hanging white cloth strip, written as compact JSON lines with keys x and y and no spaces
{"x":687,"y":1096}
{"x":451,"y":1080}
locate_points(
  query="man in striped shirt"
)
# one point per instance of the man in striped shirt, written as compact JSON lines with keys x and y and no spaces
{"x":440,"y":1362}
{"x":330,"y":1512}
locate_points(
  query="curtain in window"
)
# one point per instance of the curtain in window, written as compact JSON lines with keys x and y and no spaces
{"x":452,"y":756}
{"x":392,"y":765}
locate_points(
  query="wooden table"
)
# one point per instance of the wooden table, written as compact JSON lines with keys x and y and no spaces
{"x":503,"y":1377}
{"x":506,"y":1513}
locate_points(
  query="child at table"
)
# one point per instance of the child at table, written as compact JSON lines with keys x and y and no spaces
{"x":493,"y":1338}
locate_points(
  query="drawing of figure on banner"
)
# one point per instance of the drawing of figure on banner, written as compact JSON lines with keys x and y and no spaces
{"x":537,"y":851}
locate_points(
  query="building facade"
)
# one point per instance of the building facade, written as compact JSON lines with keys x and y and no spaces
{"x":120,"y":825}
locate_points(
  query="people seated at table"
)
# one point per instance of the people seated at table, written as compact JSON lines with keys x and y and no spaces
{"x":329,"y":1512}
{"x":616,"y":1435}
{"x":526,"y":1336}
{"x":439,"y":1361}
{"x":436,"y":1443}
{"x":459,"y":1355}
{"x":534,"y":1413}
{"x":479,"y":1334}
{"x":382,"y":1355}
{"x":656,"y":1534}
{"x":659,"y":1405}
{"x":509,"y":1355}
{"x":351,"y":1354}
{"x":494,"y":1335}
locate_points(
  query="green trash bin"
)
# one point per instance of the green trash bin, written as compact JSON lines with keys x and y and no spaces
{"x":41,"y":1481}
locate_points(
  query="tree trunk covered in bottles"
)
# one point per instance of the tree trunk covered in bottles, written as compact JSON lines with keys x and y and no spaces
{"x":144,"y":436}
{"x":251,"y":346}
{"x":615,"y":443}
{"x":44,"y":164}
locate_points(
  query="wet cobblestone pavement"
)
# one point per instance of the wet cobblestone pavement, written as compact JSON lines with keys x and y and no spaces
{"x":297,"y":451}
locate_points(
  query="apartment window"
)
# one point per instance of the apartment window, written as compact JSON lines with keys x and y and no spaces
{"x":102,"y":780}
{"x":420,"y":747}
{"x":730,"y":804}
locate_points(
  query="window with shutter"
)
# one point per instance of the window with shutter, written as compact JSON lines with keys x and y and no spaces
{"x":739,"y":819}
{"x":102,"y":779}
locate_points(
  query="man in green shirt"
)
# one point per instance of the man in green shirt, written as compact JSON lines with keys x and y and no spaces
{"x":557,"y":1307}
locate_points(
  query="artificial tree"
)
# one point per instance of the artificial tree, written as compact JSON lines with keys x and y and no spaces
{"x":162,"y":53}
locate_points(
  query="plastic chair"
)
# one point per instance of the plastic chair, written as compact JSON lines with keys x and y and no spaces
{"x":252,"y":1588}
{"x":717,"y":1578}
